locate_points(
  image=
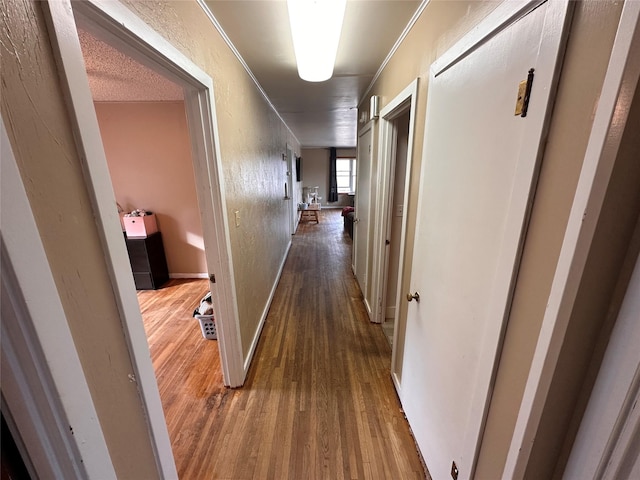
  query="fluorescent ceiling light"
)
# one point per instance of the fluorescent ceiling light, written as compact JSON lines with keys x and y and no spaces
{"x":316,"y":27}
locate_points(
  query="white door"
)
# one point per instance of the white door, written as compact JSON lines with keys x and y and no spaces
{"x":477,"y":174}
{"x":362,"y":206}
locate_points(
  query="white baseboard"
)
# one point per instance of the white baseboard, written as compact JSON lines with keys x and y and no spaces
{"x":265,"y":312}
{"x":370,"y":312}
{"x":188,"y":275}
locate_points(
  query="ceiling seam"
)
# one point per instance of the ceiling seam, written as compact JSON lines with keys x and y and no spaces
{"x":235,"y":51}
{"x":395,"y":47}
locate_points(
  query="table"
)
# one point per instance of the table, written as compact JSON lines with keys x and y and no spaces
{"x":310,"y":213}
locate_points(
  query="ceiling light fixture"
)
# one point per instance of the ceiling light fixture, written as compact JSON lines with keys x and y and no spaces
{"x":315,"y":28}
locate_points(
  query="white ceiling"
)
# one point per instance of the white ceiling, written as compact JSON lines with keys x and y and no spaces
{"x":319,"y":114}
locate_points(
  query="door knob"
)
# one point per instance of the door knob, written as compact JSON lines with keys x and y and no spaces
{"x":415,"y":296}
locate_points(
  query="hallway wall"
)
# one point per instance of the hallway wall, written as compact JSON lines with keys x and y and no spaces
{"x":252,"y":141}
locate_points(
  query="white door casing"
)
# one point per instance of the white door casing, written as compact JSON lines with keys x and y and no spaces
{"x":479,"y":167}
{"x":361,"y":228}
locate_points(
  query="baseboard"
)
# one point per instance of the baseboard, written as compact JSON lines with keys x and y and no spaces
{"x":396,"y":383}
{"x":188,"y":275}
{"x":369,"y":311}
{"x":256,"y":337}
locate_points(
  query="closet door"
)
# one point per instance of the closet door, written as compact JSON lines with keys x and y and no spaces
{"x":479,"y":163}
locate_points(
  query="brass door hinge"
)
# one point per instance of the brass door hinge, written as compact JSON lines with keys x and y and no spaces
{"x":524,"y":92}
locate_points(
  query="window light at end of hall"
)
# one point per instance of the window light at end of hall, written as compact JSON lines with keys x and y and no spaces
{"x":315,"y":27}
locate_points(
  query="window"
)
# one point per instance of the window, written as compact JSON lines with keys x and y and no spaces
{"x":346,"y":175}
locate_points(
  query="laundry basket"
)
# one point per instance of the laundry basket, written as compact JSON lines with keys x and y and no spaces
{"x":207,"y":326}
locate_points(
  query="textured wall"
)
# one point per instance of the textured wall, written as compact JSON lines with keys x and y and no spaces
{"x":252,"y":141}
{"x":149,"y":157}
{"x":41,"y":137}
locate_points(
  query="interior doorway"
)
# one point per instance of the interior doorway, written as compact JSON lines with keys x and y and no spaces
{"x":397,"y":126}
{"x":128,"y":33}
{"x":290,"y":194}
{"x":394,"y":225}
{"x":142,"y":121}
{"x":147,"y":147}
{"x":361,"y":224}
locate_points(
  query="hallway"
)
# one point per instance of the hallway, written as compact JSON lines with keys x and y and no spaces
{"x":318,"y":401}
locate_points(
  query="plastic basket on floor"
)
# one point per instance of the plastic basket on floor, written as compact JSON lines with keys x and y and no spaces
{"x":208,"y":326}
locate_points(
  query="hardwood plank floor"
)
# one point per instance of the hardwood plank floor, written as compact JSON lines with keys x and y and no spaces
{"x":318,"y":402}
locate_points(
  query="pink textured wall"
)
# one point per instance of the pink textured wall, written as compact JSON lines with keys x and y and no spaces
{"x":149,"y":157}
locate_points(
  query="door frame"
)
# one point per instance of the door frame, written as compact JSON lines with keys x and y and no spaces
{"x":290,"y":198}
{"x":137,"y":39}
{"x":623,"y":74}
{"x":357,"y":231}
{"x":43,"y":387}
{"x":405,"y":101}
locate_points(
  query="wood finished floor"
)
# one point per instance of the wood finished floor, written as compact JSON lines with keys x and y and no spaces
{"x":318,"y":402}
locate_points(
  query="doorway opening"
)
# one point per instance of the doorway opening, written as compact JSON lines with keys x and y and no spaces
{"x":361,"y":222}
{"x":291,"y":191}
{"x":142,"y":120}
{"x":118,"y":26}
{"x":144,"y":132}
{"x":397,"y":121}
{"x":394,"y":224}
